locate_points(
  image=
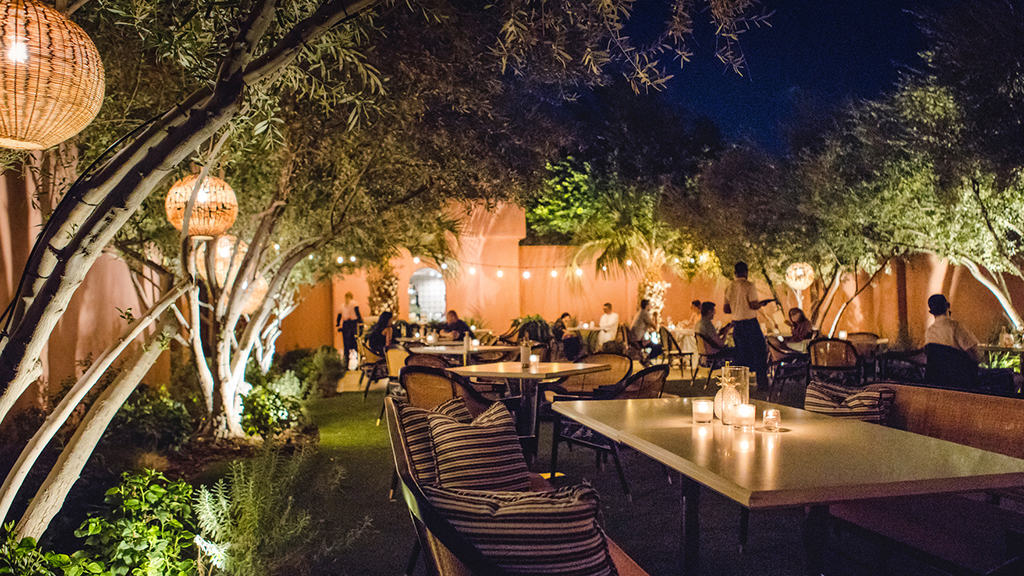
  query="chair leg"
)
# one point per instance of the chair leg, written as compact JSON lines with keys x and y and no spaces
{"x":382,"y":405}
{"x":556,"y":437}
{"x":410,"y":565}
{"x":668,"y":474}
{"x":362,"y":376}
{"x":744,"y":528}
{"x":394,"y":486}
{"x":622,"y":474}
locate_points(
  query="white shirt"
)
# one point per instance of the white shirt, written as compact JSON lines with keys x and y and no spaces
{"x":738,"y":295}
{"x":348,"y":311}
{"x":609,"y":325}
{"x":949,"y":332}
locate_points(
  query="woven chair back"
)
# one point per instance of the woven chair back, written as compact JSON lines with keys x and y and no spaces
{"x":621,"y":368}
{"x":647,"y":383}
{"x":832,"y":353}
{"x":395,"y":358}
{"x":427,"y":388}
{"x":429,"y":360}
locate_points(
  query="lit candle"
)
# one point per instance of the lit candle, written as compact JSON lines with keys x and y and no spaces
{"x":534,"y":360}
{"x":842,"y":334}
{"x":430,"y":338}
{"x":476,"y":342}
{"x":772,"y":419}
{"x":743,"y":415}
{"x":703,"y":411}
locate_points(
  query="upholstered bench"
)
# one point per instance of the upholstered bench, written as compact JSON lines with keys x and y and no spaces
{"x":481,"y":532}
{"x":955,"y":532}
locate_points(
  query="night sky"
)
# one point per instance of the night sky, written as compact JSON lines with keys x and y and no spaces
{"x":817,"y":52}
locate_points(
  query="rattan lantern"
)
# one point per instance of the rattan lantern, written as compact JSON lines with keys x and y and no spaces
{"x":51,"y":76}
{"x":799,"y":277}
{"x":214,"y":211}
{"x":224,"y":247}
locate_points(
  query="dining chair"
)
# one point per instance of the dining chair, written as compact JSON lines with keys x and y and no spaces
{"x":394,"y":360}
{"x":372,"y":366}
{"x":709,"y":356}
{"x":836,"y":361}
{"x":672,"y":351}
{"x":785,"y":366}
{"x":619,"y":368}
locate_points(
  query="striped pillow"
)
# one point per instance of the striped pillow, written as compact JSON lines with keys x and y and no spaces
{"x":417,"y":436}
{"x":528,"y":533}
{"x":481,"y":455}
{"x":849,"y":402}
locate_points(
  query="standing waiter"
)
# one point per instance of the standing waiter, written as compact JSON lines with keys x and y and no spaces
{"x":348,"y":324}
{"x":742,"y":302}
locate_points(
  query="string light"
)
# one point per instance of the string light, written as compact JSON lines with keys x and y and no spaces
{"x":554,"y":273}
{"x":629,"y":262}
{"x":526,"y":274}
{"x":444,"y":265}
{"x":472,"y":270}
{"x":579,"y":271}
{"x":415,"y":259}
{"x":500,"y":273}
{"x":604,"y":268}
{"x":341,"y":259}
{"x":277,"y":247}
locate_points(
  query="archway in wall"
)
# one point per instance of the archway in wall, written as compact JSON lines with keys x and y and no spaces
{"x":427,"y":297}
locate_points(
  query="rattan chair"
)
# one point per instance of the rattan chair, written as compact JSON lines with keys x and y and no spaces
{"x":394,"y":359}
{"x":428,"y":360}
{"x":620,"y":368}
{"x":372,"y":366}
{"x":709,"y":356}
{"x":647,"y":383}
{"x":834,"y":359}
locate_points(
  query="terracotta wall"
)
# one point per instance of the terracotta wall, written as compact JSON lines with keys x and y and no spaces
{"x":490,"y":242}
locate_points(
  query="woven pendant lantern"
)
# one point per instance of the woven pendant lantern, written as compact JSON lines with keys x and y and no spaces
{"x":224,"y":247}
{"x":800,"y":276}
{"x":214,"y":211}
{"x":51,"y":76}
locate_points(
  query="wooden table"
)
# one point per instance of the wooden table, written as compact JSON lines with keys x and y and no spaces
{"x":815,"y":461}
{"x":529,"y":381}
{"x":460,"y":350}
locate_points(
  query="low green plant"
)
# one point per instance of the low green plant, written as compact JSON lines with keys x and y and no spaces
{"x":318,"y":369}
{"x":152,"y":419}
{"x":147,"y":528}
{"x":1010,"y":360}
{"x":264,"y":517}
{"x":274,"y":405}
{"x":23,"y":557}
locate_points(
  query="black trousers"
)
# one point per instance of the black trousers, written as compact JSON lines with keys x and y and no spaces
{"x":751,"y":349}
{"x":348,"y":338}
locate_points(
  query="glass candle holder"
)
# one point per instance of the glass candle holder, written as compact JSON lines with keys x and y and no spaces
{"x":534,"y":360}
{"x":476,"y":342}
{"x":772,"y":419}
{"x":743,"y":415}
{"x":703,"y":411}
{"x":430,"y":338}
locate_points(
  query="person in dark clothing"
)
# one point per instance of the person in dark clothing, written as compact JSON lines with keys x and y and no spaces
{"x":741,"y":300}
{"x":348,"y":324}
{"x":455,"y":328}
{"x":378,"y":339}
{"x":572,"y":345}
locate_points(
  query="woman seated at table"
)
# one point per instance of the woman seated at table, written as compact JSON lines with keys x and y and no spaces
{"x":571,"y":343}
{"x":714,"y":337}
{"x":378,"y":339}
{"x":800,"y":326}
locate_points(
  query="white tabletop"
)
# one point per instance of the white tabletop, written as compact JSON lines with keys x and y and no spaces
{"x":816,"y":460}
{"x":539,"y":371}
{"x":458,"y":350}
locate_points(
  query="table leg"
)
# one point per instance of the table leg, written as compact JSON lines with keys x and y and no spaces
{"x":528,"y":422}
{"x":815,"y":539}
{"x":691,"y":526}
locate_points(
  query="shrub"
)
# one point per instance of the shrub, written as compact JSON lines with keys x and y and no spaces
{"x":273,"y":406}
{"x":318,"y":369}
{"x":24,"y":558}
{"x":147,"y":528}
{"x":153,"y":419}
{"x":264,"y":517}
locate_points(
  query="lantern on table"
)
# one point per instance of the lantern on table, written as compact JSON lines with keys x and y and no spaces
{"x":51,"y":76}
{"x":213,"y":212}
{"x":799,"y":277}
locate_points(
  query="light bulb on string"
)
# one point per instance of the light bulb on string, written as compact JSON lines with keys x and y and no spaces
{"x":500,"y":273}
{"x":351,"y":258}
{"x":579,"y":271}
{"x":629,"y":262}
{"x":415,"y":259}
{"x":444,"y":265}
{"x":526,"y":274}
{"x":554,"y":273}
{"x":472,"y":270}
{"x":341,"y":260}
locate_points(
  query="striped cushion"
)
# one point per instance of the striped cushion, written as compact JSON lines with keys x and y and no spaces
{"x":530,"y":532}
{"x":417,"y":436}
{"x":481,"y":455}
{"x":849,"y":401}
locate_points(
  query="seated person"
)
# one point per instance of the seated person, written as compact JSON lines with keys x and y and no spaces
{"x":572,"y":345}
{"x":378,"y":339}
{"x":694,"y":314}
{"x":799,"y":324}
{"x":644,"y":324}
{"x":705,"y":327}
{"x":609,"y":325}
{"x":947,"y":331}
{"x":455,"y":328}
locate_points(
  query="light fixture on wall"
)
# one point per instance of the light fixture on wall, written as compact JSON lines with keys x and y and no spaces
{"x":51,"y":76}
{"x":213,"y":212}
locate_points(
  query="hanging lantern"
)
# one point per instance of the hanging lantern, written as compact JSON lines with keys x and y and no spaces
{"x":214,"y":211}
{"x":51,"y":76}
{"x":224,"y":247}
{"x":799,"y":276}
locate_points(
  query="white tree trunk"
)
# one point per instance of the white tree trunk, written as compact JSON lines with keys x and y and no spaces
{"x":27,"y":459}
{"x":54,"y":490}
{"x":1002,"y":297}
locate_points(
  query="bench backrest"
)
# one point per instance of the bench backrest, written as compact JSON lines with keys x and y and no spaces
{"x":994,"y":423}
{"x":450,"y":553}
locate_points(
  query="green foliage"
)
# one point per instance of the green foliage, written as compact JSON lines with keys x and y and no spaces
{"x":22,"y":557}
{"x":264,"y":516}
{"x":146,"y":529}
{"x":152,"y":419}
{"x":318,"y":369}
{"x":274,"y":406}
{"x":568,"y":198}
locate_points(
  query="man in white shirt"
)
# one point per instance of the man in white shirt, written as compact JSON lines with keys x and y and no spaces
{"x":948,"y":332}
{"x":609,"y":325}
{"x":742,"y":302}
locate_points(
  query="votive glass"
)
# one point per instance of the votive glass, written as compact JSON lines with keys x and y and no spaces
{"x":772,"y":419}
{"x":703,"y":411}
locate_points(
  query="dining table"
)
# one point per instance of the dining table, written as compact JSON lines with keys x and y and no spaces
{"x":810,"y":462}
{"x":527,"y":381}
{"x":459,"y":350}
